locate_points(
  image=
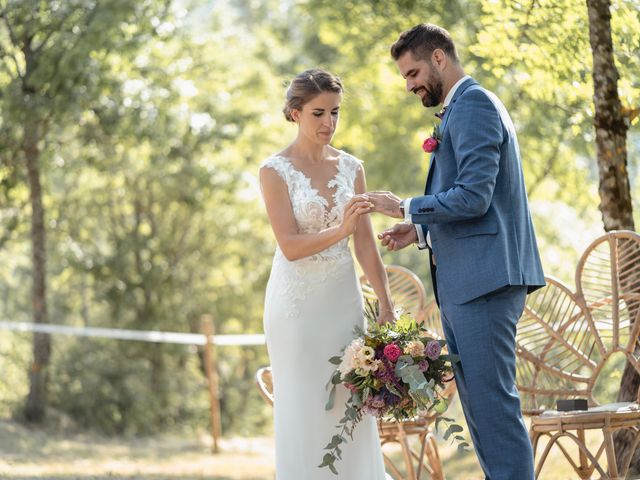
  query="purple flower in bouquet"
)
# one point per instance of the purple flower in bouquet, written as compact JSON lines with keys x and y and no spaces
{"x":374,"y":405}
{"x":423,"y":365}
{"x":392,"y":352}
{"x":389,"y":398}
{"x":376,"y":401}
{"x":387,"y":374}
{"x":432,"y":350}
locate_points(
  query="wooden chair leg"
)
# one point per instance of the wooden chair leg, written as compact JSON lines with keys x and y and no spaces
{"x":612,"y":465}
{"x":406,"y":453}
{"x":420,"y":456}
{"x":434,"y":458}
{"x":535,"y":439}
{"x":391,"y":468}
{"x":584,"y":468}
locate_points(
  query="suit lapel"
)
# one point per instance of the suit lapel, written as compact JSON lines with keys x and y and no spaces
{"x":465,"y":85}
{"x":461,"y":89}
{"x":430,"y":174}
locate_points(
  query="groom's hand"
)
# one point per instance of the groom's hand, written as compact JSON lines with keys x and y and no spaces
{"x":398,"y":236}
{"x":386,"y":203}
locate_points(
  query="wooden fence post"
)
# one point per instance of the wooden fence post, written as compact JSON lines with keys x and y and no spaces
{"x":212,"y":376}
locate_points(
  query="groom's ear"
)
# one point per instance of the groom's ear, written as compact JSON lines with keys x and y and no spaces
{"x":439,"y":58}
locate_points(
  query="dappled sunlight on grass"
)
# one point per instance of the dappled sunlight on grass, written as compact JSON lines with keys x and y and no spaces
{"x":27,"y":453}
{"x":30,"y":454}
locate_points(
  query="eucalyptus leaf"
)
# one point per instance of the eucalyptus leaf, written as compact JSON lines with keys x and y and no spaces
{"x":335,"y":360}
{"x":331,"y":400}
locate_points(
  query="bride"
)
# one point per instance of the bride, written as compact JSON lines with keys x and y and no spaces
{"x":314,"y":197}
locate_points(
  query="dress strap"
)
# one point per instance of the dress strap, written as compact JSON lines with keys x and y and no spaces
{"x":349,"y":167}
{"x":281,"y":165}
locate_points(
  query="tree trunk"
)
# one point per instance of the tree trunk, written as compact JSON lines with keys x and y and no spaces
{"x":37,"y":398}
{"x":611,"y":129}
{"x":615,"y":193}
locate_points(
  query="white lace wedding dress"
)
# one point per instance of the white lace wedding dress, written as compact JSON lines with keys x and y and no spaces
{"x":311,"y":308}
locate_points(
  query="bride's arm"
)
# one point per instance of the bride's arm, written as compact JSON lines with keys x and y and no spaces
{"x":296,"y":245}
{"x":368,"y":256}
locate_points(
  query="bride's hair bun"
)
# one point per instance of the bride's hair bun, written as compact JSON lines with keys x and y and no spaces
{"x":307,"y":85}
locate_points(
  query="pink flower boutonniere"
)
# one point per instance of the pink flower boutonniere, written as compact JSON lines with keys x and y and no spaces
{"x":432,"y":142}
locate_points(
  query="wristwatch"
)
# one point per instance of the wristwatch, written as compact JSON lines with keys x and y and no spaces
{"x":402,"y":207}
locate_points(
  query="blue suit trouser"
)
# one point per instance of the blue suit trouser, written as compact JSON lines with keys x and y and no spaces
{"x":482,"y":332}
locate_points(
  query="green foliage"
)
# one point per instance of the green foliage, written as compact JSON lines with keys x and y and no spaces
{"x":152,"y":222}
{"x":14,"y":361}
{"x":156,"y":116}
{"x":544,"y":75}
{"x":122,"y":387}
{"x":451,"y":433}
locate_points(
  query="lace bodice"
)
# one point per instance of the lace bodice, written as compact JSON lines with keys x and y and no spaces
{"x":294,"y":281}
{"x":311,"y":210}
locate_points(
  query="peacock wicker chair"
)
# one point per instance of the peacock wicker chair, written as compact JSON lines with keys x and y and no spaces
{"x":406,"y":290}
{"x":564,"y":340}
{"x":264,"y":382}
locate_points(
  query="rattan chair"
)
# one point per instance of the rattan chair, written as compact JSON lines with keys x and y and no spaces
{"x":264,"y":381}
{"x":564,"y":340}
{"x":406,"y":290}
{"x":416,"y":439}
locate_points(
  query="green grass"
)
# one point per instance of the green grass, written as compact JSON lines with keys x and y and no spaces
{"x":57,"y":453}
{"x":26,"y":453}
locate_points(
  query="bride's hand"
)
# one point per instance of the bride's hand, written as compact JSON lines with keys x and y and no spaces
{"x":358,"y":205}
{"x":385,"y":316}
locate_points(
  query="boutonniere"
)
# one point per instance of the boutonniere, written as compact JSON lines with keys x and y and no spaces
{"x":432,"y":142}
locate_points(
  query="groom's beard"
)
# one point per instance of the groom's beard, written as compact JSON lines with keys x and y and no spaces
{"x":433,"y":95}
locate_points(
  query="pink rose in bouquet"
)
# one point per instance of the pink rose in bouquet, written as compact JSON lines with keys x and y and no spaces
{"x":392,"y":352}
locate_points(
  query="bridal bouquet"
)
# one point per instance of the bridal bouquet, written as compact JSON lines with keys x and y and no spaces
{"x":394,"y":372}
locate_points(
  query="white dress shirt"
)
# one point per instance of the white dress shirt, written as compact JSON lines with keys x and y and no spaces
{"x":422,"y":241}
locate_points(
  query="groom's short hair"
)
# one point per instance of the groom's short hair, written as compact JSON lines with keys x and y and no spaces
{"x":422,"y":40}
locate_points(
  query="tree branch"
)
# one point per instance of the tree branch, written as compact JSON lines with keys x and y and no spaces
{"x":56,"y":63}
{"x":54,"y":29}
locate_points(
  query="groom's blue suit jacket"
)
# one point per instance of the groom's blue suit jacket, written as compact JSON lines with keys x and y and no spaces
{"x":475,"y":203}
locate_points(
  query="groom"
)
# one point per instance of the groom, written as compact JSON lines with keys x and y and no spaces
{"x":474,"y":219}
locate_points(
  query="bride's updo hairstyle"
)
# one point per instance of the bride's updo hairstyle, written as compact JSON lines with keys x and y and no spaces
{"x":307,"y":85}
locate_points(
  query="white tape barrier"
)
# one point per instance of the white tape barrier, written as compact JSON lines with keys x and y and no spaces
{"x":139,"y":335}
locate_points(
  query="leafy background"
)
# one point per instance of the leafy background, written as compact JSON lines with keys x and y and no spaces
{"x":156,"y":117}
